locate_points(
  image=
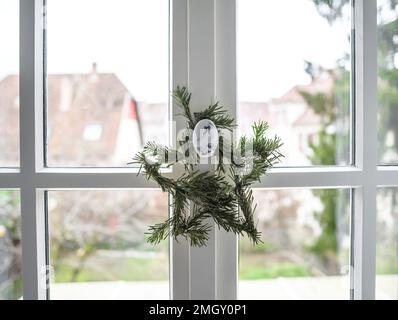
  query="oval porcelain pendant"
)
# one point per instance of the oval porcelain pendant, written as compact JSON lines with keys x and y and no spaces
{"x":205,"y":138}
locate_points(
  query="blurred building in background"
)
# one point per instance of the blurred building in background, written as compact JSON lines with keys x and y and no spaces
{"x":289,"y":117}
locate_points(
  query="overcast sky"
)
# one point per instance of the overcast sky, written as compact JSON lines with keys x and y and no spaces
{"x":130,"y":38}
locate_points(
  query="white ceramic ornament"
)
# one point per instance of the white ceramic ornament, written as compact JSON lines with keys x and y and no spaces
{"x":205,"y":138}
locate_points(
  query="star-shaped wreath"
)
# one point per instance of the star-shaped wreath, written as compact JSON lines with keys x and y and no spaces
{"x":223,"y":195}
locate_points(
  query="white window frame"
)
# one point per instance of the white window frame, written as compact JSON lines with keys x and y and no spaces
{"x":203,"y":57}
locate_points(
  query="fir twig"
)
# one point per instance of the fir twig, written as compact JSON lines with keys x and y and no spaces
{"x":227,"y":199}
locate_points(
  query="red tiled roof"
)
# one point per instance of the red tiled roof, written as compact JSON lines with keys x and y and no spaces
{"x":323,"y":83}
{"x":308,"y":118}
{"x":9,"y":120}
{"x":78,"y":100}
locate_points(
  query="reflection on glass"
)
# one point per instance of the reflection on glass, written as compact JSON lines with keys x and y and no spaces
{"x":387,"y":244}
{"x":388,"y":81}
{"x":10,"y":246}
{"x":296,"y":76}
{"x":305,"y":249}
{"x":107,"y":80}
{"x":9,"y":83}
{"x":98,"y":248}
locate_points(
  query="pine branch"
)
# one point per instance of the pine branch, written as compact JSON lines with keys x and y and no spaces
{"x":265,"y":153}
{"x":218,"y":115}
{"x":210,"y":195}
{"x":215,"y":112}
{"x":183,"y":98}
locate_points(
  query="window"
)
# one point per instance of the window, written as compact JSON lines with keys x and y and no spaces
{"x":10,"y":245}
{"x":89,"y":94}
{"x":98,"y":248}
{"x":387,"y":84}
{"x":297,"y":78}
{"x":9,"y":83}
{"x":305,"y":252}
{"x":103,"y":70}
{"x":387,"y":246}
{"x":92,"y":132}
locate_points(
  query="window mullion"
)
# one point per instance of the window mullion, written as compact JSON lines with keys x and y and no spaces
{"x":324,"y":178}
{"x":226,"y":91}
{"x":387,"y":177}
{"x":179,"y":251}
{"x":31,"y":145}
{"x":201,"y":81}
{"x":366,"y":148}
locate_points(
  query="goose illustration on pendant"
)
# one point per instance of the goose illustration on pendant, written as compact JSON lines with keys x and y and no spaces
{"x":205,"y":138}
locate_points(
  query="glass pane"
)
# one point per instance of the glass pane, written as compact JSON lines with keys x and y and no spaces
{"x":294,"y":66}
{"x":305,"y":249}
{"x":9,"y":83}
{"x":10,"y":246}
{"x":107,"y":80}
{"x":387,"y":244}
{"x":98,"y":248}
{"x":388,"y":81}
